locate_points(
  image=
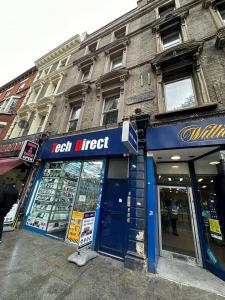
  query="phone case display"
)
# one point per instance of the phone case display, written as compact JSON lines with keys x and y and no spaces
{"x":55,"y":196}
{"x":82,"y":220}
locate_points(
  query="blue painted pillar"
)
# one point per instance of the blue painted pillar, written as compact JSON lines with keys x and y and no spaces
{"x":152,"y":216}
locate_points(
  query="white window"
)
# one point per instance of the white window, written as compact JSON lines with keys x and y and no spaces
{"x":170,"y":39}
{"x":8,"y":92}
{"x":74,"y":117}
{"x":63,"y":63}
{"x":166,"y":9}
{"x":116,"y":62}
{"x":179,"y":94}
{"x":9,"y":105}
{"x":42,"y":120}
{"x":110,"y":110}
{"x":22,"y":85}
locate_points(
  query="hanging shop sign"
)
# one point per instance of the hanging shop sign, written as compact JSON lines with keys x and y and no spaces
{"x":12,"y":147}
{"x":29,"y":151}
{"x":106,"y":142}
{"x":205,"y":132}
{"x":130,"y":137}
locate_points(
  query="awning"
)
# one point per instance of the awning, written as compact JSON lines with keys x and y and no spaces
{"x":7,"y":164}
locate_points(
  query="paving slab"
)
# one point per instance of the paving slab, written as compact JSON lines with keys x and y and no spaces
{"x":35,"y":267}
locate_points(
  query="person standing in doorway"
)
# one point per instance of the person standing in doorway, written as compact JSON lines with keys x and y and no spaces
{"x":174,"y":209}
{"x":8,"y":197}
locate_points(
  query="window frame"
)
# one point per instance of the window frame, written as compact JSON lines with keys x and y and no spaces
{"x":180,"y":78}
{"x":40,"y":126}
{"x":112,"y":57}
{"x":78,"y":107}
{"x":113,"y":110}
{"x":175,"y":44}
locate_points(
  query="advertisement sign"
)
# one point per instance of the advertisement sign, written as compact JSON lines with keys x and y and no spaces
{"x":87,"y":230}
{"x":29,"y":151}
{"x":81,"y":228}
{"x":204,"y":132}
{"x":130,"y":137}
{"x":105,"y":142}
{"x":215,"y":231}
{"x":11,"y":147}
{"x":75,"y":227}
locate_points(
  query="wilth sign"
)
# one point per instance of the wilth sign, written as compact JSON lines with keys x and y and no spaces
{"x":210,"y":131}
{"x":28,"y":151}
{"x":130,"y":137}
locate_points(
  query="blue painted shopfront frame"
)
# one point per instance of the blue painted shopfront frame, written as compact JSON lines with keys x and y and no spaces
{"x":93,"y":145}
{"x":201,"y":133}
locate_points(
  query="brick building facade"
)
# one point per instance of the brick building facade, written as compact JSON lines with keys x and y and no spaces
{"x":12,"y":96}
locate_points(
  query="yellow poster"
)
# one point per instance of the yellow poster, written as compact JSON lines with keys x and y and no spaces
{"x":75,"y":227}
{"x":215,"y":229}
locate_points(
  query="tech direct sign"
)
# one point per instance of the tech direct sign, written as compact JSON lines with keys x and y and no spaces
{"x":98,"y":143}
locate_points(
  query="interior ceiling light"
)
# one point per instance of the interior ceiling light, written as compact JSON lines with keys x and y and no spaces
{"x":175,"y":167}
{"x":213,"y":163}
{"x":169,"y":179}
{"x":211,"y":180}
{"x":204,"y":186}
{"x":200,"y":179}
{"x":175,"y":157}
{"x":181,"y":179}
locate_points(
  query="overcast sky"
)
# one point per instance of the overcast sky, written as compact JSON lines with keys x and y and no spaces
{"x":30,"y":29}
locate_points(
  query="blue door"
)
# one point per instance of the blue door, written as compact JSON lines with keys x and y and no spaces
{"x":113,"y":230}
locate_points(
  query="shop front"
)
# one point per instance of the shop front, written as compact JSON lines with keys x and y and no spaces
{"x":186,"y":162}
{"x":15,"y":169}
{"x":80,"y":195}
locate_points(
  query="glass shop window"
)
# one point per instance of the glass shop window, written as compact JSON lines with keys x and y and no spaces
{"x":210,"y":175}
{"x":118,"y":168}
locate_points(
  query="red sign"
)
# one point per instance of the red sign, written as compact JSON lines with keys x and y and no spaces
{"x":29,"y":151}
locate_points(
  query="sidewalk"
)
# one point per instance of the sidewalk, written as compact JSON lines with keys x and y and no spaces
{"x":35,"y":267}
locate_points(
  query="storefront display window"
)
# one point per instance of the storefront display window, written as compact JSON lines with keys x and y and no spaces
{"x":211,"y":187}
{"x":65,"y":187}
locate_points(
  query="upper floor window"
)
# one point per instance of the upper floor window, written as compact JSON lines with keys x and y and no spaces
{"x":8,"y":93}
{"x":85,"y":74}
{"x":120,"y":33}
{"x":22,"y":85}
{"x":2,"y":126}
{"x":221,"y":10}
{"x":171,"y":36}
{"x":179,"y":94}
{"x":116,"y":61}
{"x":166,"y":9}
{"x":110,"y":110}
{"x":9,"y":105}
{"x":63,"y":63}
{"x":46,"y":71}
{"x":41,"y":123}
{"x":92,"y":48}
{"x":74,"y":117}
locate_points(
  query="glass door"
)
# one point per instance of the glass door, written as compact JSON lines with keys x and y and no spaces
{"x":178,"y":234}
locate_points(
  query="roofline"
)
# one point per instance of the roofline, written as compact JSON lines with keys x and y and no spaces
{"x":77,"y":36}
{"x":18,"y":78}
{"x":109,"y":25}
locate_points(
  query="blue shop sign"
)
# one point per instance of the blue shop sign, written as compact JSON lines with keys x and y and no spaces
{"x":130,"y":137}
{"x":192,"y":134}
{"x":98,"y":143}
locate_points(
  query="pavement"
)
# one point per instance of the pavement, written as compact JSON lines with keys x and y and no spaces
{"x":35,"y":267}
